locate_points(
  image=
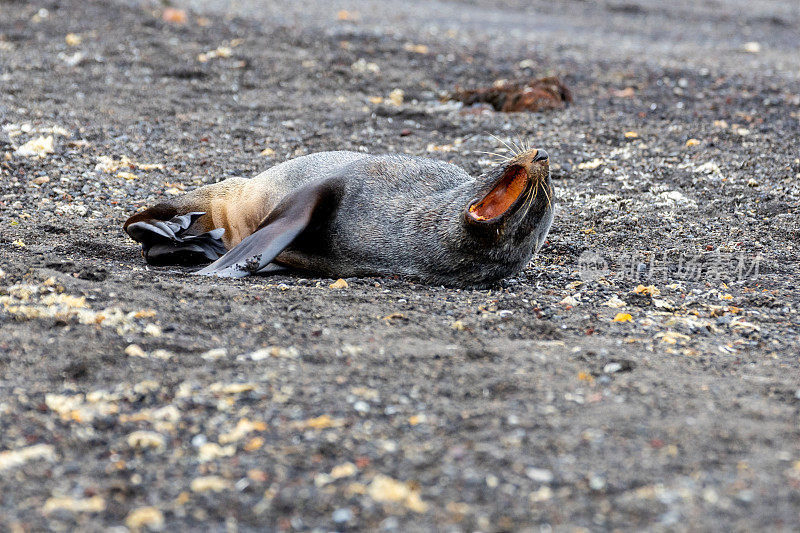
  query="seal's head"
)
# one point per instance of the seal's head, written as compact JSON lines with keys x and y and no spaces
{"x":514,"y":200}
{"x":503,"y":221}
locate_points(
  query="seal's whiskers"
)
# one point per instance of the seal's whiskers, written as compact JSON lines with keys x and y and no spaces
{"x":518,"y":147}
{"x":530,"y":198}
{"x":501,"y":156}
{"x":505,"y":144}
{"x":547,"y":194}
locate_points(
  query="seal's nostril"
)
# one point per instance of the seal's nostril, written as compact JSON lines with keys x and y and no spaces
{"x":541,"y":155}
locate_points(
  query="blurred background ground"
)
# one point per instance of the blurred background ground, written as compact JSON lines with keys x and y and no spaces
{"x":142,"y":397}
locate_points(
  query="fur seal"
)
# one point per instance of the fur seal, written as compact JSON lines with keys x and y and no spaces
{"x":345,"y":214}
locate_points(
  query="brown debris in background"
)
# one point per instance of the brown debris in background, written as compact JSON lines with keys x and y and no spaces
{"x":509,"y":97}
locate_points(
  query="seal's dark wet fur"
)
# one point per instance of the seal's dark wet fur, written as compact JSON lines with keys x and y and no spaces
{"x":343,"y":214}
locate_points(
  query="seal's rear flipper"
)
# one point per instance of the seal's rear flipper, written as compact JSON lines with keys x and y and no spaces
{"x":166,"y":242}
{"x":290,"y":218}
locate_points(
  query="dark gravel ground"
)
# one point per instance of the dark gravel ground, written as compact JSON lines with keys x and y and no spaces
{"x":145,"y":398}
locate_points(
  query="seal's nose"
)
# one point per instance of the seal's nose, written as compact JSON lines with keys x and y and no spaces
{"x":541,"y":155}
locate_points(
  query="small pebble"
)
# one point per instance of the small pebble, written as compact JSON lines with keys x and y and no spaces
{"x":540,"y":475}
{"x":214,"y":354}
{"x":340,"y":516}
{"x":597,"y":483}
{"x":145,"y":517}
{"x":339,"y":284}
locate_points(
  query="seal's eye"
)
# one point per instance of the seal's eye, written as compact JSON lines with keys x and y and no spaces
{"x":504,"y":194}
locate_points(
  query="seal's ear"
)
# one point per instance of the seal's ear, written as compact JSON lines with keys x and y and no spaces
{"x":293,"y":215}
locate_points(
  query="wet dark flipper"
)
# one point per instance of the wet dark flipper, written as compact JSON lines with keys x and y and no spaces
{"x":296,"y":213}
{"x":166,"y":242}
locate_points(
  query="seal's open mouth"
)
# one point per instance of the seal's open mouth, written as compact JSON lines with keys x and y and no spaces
{"x":502,"y":197}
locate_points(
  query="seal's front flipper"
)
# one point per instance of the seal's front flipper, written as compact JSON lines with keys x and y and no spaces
{"x":166,"y":242}
{"x":305,"y":208}
{"x":273,"y":268}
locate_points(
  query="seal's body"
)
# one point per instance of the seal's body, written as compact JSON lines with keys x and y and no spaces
{"x":342,"y":214}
